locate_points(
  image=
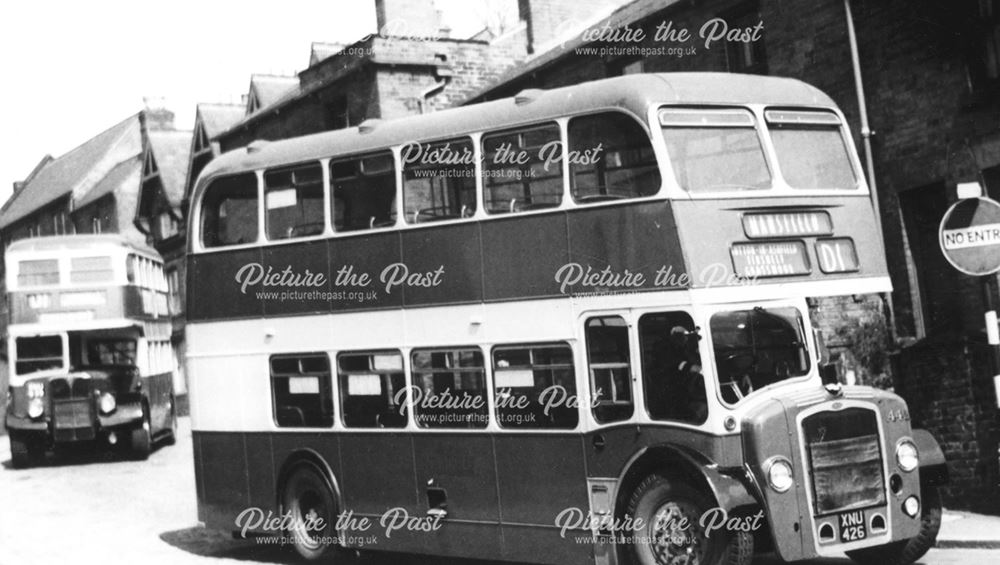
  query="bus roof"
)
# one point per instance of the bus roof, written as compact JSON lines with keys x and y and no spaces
{"x":77,"y":242}
{"x":635,"y":93}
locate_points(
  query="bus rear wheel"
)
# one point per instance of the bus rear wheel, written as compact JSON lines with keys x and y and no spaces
{"x":670,"y":534}
{"x":907,"y":551}
{"x":309,"y":499}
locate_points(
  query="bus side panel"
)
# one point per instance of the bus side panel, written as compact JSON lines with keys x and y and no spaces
{"x":218,"y":295}
{"x":641,"y":238}
{"x":540,"y":476}
{"x":309,"y":257}
{"x":262,"y":473}
{"x":369,"y":255}
{"x":456,"y":249}
{"x":521,"y":256}
{"x":224,"y":476}
{"x":377,"y":477}
{"x":463,"y":465}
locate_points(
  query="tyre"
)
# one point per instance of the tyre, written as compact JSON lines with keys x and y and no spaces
{"x":907,"y":551}
{"x":141,"y":438}
{"x":171,"y":436}
{"x":670,"y":534}
{"x":308,"y":498}
{"x":24,"y":451}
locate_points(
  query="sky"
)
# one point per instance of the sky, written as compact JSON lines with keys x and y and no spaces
{"x":72,"y":69}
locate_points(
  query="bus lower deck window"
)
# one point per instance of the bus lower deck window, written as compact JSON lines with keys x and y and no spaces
{"x":610,"y":368}
{"x":610,"y":158}
{"x":449,"y":388}
{"x":229,"y":211}
{"x":534,"y":387}
{"x":293,"y":202}
{"x":372,"y":389}
{"x":301,"y":390}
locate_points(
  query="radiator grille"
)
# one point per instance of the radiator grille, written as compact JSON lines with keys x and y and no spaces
{"x":845,"y":459}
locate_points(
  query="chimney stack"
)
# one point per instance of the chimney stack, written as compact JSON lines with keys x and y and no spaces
{"x":158,"y":117}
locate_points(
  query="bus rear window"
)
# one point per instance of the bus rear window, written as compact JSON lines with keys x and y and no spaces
{"x":610,"y":158}
{"x":714,"y":150}
{"x":449,"y":388}
{"x":293,"y":199}
{"x":811,"y":150}
{"x":439,"y":181}
{"x":372,"y":389}
{"x":38,"y":354}
{"x":229,"y":211}
{"x":42,"y":272}
{"x":522,"y":170}
{"x":91,"y":270}
{"x":535,"y":387}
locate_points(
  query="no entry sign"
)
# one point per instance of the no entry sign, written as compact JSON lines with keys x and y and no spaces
{"x":970,"y":236}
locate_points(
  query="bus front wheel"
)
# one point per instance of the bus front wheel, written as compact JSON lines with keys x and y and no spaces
{"x":308,"y":498}
{"x":141,"y":440}
{"x":24,"y":450}
{"x":904,"y":552}
{"x":670,"y":533}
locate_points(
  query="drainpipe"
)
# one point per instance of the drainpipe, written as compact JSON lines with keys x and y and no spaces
{"x":866,"y":141}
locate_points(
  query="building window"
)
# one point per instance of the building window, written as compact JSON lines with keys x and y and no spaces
{"x":336,"y":114}
{"x":302,"y":391}
{"x":522,"y":170}
{"x":168,"y":225}
{"x":364,"y":193}
{"x":293,"y":202}
{"x":95,"y":225}
{"x":372,"y":389}
{"x":174,"y":289}
{"x":746,"y":56}
{"x":229,"y":212}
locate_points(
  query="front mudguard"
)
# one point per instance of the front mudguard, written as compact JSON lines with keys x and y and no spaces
{"x":933,"y":467}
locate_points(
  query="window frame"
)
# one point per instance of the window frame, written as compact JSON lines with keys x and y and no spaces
{"x":395,"y":210}
{"x":575,"y":393}
{"x":655,"y":146}
{"x":321,"y":166}
{"x":418,"y":418}
{"x":258,"y":175}
{"x":473,"y":139}
{"x":634,"y":391}
{"x":325,"y":393}
{"x":341,"y":389}
{"x":561,"y":139}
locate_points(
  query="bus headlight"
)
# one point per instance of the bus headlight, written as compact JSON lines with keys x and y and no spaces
{"x":108,"y":403}
{"x":35,"y":408}
{"x":779,"y":474}
{"x":906,"y":455}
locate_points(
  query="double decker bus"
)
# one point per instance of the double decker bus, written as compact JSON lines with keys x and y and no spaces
{"x":89,"y":346}
{"x":566,"y":327}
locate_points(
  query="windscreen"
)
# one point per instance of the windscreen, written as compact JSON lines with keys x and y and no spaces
{"x":811,"y":149}
{"x":715,"y":150}
{"x":756,"y":348}
{"x":39,"y":353}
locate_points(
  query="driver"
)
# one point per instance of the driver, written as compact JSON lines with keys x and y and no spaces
{"x":689,"y":376}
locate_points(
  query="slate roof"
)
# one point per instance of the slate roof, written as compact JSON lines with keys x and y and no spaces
{"x":217,"y":118}
{"x":271,"y":88}
{"x":73,"y":172}
{"x":171,"y":149}
{"x":127,"y":172}
{"x":320,"y":51}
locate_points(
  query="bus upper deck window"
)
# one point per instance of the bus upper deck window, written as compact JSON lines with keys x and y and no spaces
{"x":91,"y":269}
{"x":229,"y":211}
{"x":38,"y":272}
{"x":364,"y":193}
{"x":522,"y":170}
{"x":293,"y":202}
{"x":811,"y":149}
{"x":610,"y":158}
{"x":610,"y":368}
{"x":438,"y":181}
{"x":714,"y":150}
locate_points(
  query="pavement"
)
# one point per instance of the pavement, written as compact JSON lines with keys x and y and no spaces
{"x":968,"y":530}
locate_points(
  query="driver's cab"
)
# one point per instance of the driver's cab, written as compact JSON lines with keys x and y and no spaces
{"x":749,"y":347}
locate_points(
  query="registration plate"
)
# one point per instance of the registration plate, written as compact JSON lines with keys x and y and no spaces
{"x":852,"y":526}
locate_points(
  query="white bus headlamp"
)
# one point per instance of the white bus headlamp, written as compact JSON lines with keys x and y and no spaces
{"x":36,"y":407}
{"x":108,"y":403}
{"x":779,"y":474}
{"x":907,"y":456}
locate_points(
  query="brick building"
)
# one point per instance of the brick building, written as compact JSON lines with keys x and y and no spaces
{"x":931,"y":74}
